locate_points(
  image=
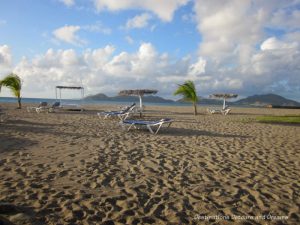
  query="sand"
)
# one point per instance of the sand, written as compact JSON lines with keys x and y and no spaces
{"x":73,"y":168}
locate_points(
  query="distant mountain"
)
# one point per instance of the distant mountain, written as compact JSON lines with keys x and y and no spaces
{"x":205,"y":101}
{"x":255,"y":100}
{"x":148,"y":98}
{"x":268,"y":99}
{"x":96,"y":97}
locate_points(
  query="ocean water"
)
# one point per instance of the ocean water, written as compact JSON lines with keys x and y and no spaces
{"x":36,"y":101}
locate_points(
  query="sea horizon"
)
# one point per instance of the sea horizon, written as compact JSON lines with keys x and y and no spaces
{"x":108,"y":102}
{"x":89,"y":102}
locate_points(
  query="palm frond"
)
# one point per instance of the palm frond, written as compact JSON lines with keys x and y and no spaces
{"x":188,"y":91}
{"x":14,"y":83}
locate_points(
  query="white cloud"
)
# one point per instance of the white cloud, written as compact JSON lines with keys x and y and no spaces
{"x":197,"y":68}
{"x":68,"y":34}
{"x":284,"y":19}
{"x":163,"y":9}
{"x":139,"y":65}
{"x":99,"y":70}
{"x":138,"y":21}
{"x":98,"y":28}
{"x":96,"y":59}
{"x":104,"y":70}
{"x":68,"y":2}
{"x":273,"y":43}
{"x":226,"y":26}
{"x":231,"y":32}
{"x":5,"y":59}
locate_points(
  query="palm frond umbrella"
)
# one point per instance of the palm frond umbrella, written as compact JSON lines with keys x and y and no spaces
{"x":138,"y":92}
{"x":223,"y":96}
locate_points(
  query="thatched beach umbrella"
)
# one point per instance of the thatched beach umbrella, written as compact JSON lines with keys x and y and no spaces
{"x":138,"y":92}
{"x":223,"y":96}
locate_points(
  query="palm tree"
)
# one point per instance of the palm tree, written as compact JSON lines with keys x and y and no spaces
{"x":188,"y":91}
{"x":13,"y":82}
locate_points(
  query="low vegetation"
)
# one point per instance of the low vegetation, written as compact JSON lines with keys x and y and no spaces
{"x":295,"y":119}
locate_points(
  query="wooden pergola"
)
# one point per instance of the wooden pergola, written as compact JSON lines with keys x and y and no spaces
{"x":59,"y":88}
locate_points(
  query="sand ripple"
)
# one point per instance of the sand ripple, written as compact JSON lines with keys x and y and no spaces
{"x":76,"y":169}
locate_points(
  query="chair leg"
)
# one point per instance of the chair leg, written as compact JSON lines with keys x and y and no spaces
{"x":158,"y":128}
{"x":101,"y":116}
{"x":124,"y":116}
{"x":150,"y":129}
{"x":130,"y":126}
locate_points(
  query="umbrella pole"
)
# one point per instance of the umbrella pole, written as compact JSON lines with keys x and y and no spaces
{"x":141,"y":105}
{"x":224,"y":104}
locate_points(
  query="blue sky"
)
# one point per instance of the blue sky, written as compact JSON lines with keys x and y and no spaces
{"x":29,"y":26}
{"x":244,"y":47}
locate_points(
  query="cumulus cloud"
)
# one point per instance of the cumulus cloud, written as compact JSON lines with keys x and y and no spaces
{"x":68,"y":34}
{"x":163,"y":9}
{"x":285,"y":19}
{"x":273,"y":43}
{"x":227,"y":26}
{"x":101,"y":70}
{"x":197,"y":68}
{"x":68,"y":2}
{"x":5,"y":59}
{"x":231,"y":32}
{"x":138,"y":21}
{"x":277,"y":60}
{"x":272,"y":67}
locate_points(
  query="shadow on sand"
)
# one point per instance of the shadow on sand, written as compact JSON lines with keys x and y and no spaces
{"x":9,"y":144}
{"x":25,"y":215}
{"x":46,"y":128}
{"x":183,"y":132}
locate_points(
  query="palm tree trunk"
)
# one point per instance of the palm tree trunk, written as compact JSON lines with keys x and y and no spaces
{"x":195,"y":108}
{"x":19,"y":102}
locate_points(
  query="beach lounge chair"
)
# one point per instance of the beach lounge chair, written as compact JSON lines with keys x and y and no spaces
{"x":147,"y":123}
{"x":122,"y":114}
{"x":33,"y":108}
{"x":55,"y":106}
{"x":52,"y":108}
{"x":221,"y":111}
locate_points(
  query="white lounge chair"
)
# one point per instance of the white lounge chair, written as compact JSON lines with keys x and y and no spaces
{"x":33,"y":108}
{"x":47,"y":109}
{"x":55,"y":106}
{"x":147,"y":123}
{"x":122,"y":114}
{"x":221,"y":111}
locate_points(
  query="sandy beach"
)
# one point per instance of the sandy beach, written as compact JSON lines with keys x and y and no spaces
{"x":74,"y":168}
